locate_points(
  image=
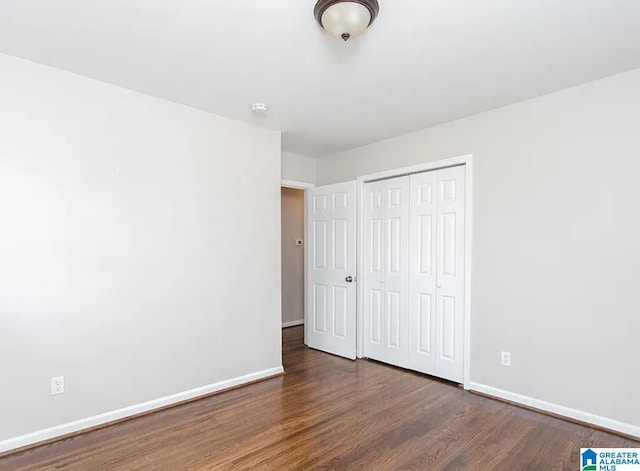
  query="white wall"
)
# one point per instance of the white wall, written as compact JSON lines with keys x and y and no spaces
{"x":292,"y":223}
{"x":556,"y":249}
{"x":298,"y":168}
{"x":133,"y":230}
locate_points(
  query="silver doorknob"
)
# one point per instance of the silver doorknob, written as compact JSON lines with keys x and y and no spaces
{"x":349,"y":279}
{"x":438,"y":286}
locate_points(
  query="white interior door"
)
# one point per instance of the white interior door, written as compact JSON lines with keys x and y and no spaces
{"x":386,"y":270}
{"x":330,"y":314}
{"x":450,"y":269}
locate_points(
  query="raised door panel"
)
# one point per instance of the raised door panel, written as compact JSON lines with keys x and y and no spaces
{"x":393,"y":319}
{"x":340,"y":311}
{"x":424,"y":332}
{"x":319,"y":241}
{"x":446,"y":339}
{"x":394,"y":247}
{"x":340,"y":241}
{"x":376,"y":315}
{"x":375,"y":248}
{"x":319,"y":309}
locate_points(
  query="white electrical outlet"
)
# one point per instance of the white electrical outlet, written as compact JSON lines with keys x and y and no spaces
{"x":57,"y":385}
{"x":506,"y":358}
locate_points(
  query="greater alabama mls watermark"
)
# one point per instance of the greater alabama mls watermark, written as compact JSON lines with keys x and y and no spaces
{"x":609,"y":459}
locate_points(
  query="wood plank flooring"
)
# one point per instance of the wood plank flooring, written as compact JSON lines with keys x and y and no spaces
{"x":328,"y":413}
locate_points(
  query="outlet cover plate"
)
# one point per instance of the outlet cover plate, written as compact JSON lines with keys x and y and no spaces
{"x":57,"y":385}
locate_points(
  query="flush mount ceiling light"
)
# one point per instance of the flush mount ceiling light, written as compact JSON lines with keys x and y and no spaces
{"x":345,"y":19}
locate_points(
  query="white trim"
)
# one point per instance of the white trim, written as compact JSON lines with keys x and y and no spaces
{"x":466,"y":160}
{"x":588,"y":417}
{"x":292,"y":323}
{"x":100,"y":419}
{"x":468,"y":247}
{"x":307,"y":231}
{"x":295,"y":185}
{"x":360,"y":267}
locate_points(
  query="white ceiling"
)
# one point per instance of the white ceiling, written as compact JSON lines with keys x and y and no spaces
{"x":422,"y":63}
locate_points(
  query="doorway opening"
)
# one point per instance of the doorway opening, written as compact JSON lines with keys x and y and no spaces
{"x":292,"y":198}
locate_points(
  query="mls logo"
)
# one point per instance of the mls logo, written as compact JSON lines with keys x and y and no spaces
{"x":589,"y":460}
{"x":610,"y":459}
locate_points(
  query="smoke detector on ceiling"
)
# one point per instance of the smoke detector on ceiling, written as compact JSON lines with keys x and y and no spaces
{"x":260,"y":110}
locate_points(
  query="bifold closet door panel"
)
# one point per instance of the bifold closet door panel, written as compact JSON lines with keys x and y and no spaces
{"x":450,"y":273}
{"x":422,"y":275}
{"x":374,"y":269}
{"x":386,"y":282}
{"x":396,"y":281}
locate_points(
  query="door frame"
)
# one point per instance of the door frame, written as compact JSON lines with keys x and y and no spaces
{"x":297,"y":185}
{"x":467,"y":161}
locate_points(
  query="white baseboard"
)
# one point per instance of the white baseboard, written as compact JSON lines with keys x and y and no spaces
{"x":588,"y":417}
{"x":100,"y":419}
{"x":292,"y":323}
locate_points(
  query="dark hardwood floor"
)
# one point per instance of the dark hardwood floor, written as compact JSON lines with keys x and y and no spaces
{"x":328,"y":413}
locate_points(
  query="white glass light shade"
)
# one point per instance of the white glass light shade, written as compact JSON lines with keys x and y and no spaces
{"x":346,"y":20}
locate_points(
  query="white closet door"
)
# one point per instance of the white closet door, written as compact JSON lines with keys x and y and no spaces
{"x":374,"y":270}
{"x":450,"y":203}
{"x":396,"y":280}
{"x":330,"y":323}
{"x":414,"y":272}
{"x":386,"y":275}
{"x":422,"y":276}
